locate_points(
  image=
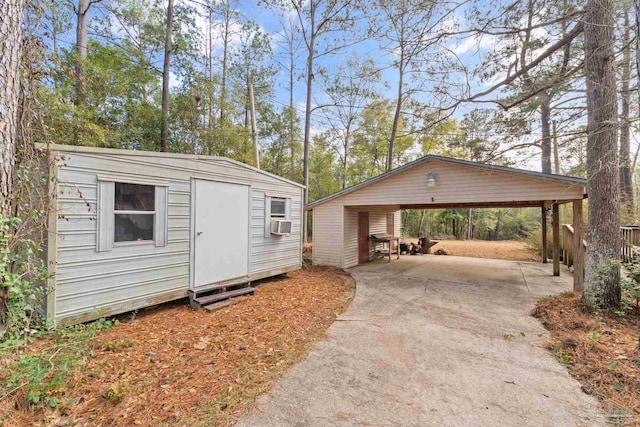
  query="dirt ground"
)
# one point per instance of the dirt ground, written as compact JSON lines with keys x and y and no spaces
{"x":600,"y":350}
{"x":173,"y":366}
{"x":500,"y":249}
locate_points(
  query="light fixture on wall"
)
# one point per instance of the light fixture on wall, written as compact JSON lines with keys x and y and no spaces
{"x":431,"y":180}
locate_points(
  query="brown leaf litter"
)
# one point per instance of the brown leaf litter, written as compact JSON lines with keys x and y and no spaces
{"x":601,"y":351}
{"x":496,"y":249}
{"x":171,"y":365}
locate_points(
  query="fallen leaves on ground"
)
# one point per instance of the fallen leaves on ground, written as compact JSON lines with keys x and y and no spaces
{"x":600,"y":350}
{"x":174,"y":366}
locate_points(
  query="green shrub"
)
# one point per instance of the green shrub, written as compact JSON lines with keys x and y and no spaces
{"x":23,"y":276}
{"x":40,"y":380}
{"x":632,"y":287}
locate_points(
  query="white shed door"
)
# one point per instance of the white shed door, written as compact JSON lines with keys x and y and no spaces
{"x":221,"y":232}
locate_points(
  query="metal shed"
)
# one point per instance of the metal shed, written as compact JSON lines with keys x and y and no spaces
{"x":343,"y":221}
{"x":130,"y":229}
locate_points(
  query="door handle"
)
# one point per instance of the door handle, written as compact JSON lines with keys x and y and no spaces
{"x":198,"y":233}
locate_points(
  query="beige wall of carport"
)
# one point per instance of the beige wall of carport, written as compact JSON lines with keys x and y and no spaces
{"x":89,"y":284}
{"x":335,"y":222}
{"x":457,"y":183}
{"x":377,"y":224}
{"x":336,"y":242}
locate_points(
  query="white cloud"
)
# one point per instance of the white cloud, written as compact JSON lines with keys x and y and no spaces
{"x":473,"y":42}
{"x":451,"y":23}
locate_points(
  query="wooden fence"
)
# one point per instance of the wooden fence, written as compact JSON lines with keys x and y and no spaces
{"x":567,"y":245}
{"x":629,"y":235}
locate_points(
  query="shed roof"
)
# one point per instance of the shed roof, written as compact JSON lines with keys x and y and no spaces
{"x":123,"y":152}
{"x":509,"y":170}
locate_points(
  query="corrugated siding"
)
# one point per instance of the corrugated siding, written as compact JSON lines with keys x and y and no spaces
{"x":89,"y":281}
{"x":377,"y":221}
{"x":327,"y":235}
{"x":397,"y":229}
{"x":274,"y":252}
{"x":377,"y":224}
{"x":350,"y":237}
{"x":458,"y":184}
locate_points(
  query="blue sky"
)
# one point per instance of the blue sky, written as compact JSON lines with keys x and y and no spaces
{"x":269,"y":19}
{"x":468,"y":50}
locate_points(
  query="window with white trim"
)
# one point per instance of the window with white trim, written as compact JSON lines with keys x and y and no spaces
{"x":278,"y":208}
{"x":275,"y":209}
{"x":135,"y":210}
{"x":131,"y":213}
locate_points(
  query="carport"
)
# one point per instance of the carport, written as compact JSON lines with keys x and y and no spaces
{"x":344,"y":221}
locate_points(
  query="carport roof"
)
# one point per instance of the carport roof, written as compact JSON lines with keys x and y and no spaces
{"x":520,"y":172}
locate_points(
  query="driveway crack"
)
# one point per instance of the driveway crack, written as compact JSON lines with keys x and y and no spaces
{"x":412,"y":300}
{"x":524,"y":278}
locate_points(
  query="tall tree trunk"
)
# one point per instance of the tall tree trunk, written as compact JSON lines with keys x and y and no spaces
{"x":81,"y":50}
{"x":556,"y":155}
{"x":246,"y":110}
{"x":292,"y":124}
{"x":545,"y":143}
{"x":54,"y":32}
{"x":10,"y":46}
{"x":164,"y":130}
{"x":210,"y":148}
{"x":396,"y":114}
{"x":54,"y":40}
{"x":254,"y":130}
{"x":345,"y":159}
{"x":311,"y":47}
{"x":225,"y":54}
{"x":307,"y":115}
{"x":636,"y":4}
{"x":602,"y":287}
{"x":421,"y":233}
{"x":626,"y":186}
{"x":79,"y":99}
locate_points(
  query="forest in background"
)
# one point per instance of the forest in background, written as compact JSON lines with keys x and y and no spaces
{"x":383,"y":84}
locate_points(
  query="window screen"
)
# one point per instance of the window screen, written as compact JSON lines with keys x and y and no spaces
{"x":134,"y":210}
{"x":278,"y":208}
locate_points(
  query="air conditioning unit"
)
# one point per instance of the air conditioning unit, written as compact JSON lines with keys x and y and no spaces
{"x":280,"y":227}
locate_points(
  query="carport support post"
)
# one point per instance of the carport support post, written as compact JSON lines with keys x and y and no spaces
{"x":555,"y":217}
{"x":578,"y":249}
{"x":543,"y":221}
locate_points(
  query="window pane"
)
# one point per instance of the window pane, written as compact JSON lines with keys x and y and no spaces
{"x":278,"y":207}
{"x":133,"y":227}
{"x":134,"y":197}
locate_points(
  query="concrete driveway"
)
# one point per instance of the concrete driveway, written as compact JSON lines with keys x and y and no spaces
{"x":435,"y":341}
